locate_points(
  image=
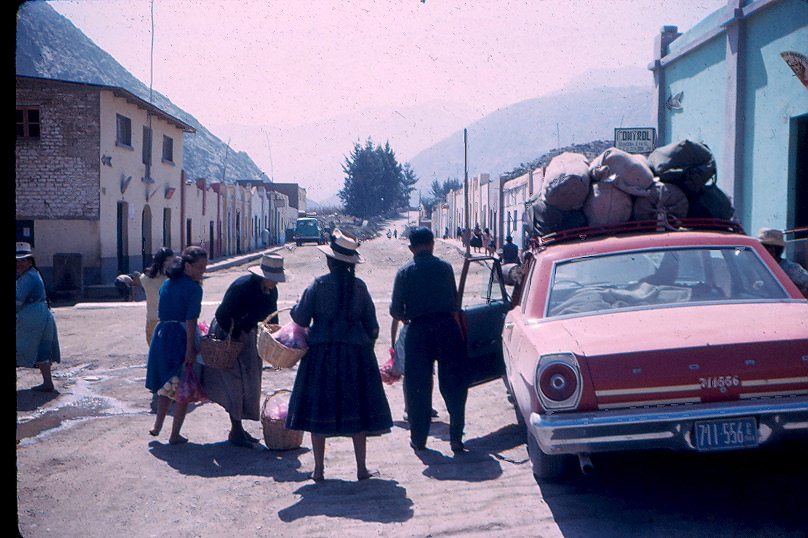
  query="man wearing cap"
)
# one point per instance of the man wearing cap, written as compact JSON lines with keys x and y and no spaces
{"x":249,"y":299}
{"x":774,"y":242}
{"x":425,"y":298}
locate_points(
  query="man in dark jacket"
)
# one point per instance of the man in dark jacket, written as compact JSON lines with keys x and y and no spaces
{"x":510,"y":252}
{"x":425,"y":297}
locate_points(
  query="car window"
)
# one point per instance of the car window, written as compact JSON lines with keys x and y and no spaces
{"x":660,"y":277}
{"x":482,"y":285}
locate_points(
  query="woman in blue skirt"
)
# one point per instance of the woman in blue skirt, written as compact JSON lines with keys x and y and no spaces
{"x":338,"y":389}
{"x":174,"y":343}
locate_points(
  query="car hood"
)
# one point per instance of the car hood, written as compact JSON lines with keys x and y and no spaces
{"x":686,"y":354}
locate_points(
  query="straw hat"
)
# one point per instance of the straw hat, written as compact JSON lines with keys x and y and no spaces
{"x":271,"y":268}
{"x":770,"y":236}
{"x":343,"y":247}
{"x":24,"y":250}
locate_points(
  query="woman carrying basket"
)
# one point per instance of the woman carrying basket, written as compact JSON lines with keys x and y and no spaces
{"x":338,"y":389}
{"x":174,"y":343}
{"x":248,"y":300}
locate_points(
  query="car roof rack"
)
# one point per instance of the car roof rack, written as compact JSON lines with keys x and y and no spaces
{"x":666,"y":224}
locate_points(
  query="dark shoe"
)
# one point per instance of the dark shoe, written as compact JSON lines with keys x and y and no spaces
{"x":458,"y":447}
{"x":417,"y":448}
{"x":240,"y":440}
{"x":43,"y":388}
{"x":434,"y":413}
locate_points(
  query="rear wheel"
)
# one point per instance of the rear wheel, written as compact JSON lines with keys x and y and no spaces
{"x":544,"y":465}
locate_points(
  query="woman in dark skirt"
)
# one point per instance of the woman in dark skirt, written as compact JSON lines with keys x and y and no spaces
{"x":338,"y":389}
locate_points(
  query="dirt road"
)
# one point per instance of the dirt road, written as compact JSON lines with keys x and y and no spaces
{"x":86,"y":465}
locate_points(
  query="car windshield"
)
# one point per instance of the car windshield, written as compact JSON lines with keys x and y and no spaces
{"x":307,"y":226}
{"x":660,"y":277}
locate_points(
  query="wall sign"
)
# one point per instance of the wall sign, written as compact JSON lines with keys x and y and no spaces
{"x":635,"y":139}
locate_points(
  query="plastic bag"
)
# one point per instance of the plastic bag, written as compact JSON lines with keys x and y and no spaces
{"x":190,"y":389}
{"x":277,"y":408}
{"x":292,"y":335}
{"x":204,"y":328}
{"x":389,"y":372}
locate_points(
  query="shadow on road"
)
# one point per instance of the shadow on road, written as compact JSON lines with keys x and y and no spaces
{"x":214,"y":460}
{"x":376,"y":500}
{"x":742,"y":493}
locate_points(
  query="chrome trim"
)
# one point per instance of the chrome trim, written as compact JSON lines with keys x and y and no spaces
{"x":666,"y":427}
{"x":776,"y":381}
{"x":647,"y":390}
{"x":671,"y":401}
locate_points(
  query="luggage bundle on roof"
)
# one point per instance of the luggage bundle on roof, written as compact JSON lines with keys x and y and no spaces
{"x":677,"y":180}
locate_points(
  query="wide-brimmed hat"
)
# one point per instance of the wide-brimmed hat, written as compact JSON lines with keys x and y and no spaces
{"x":770,"y":236}
{"x":24,"y":250}
{"x":343,"y":246}
{"x":271,"y":268}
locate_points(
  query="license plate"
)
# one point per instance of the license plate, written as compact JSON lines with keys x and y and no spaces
{"x":726,"y":433}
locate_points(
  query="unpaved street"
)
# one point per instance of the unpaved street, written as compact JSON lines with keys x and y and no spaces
{"x":86,"y":465}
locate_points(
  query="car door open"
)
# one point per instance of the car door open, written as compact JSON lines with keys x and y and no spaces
{"x":484,"y":302}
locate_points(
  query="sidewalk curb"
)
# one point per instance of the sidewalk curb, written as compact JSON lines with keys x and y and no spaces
{"x":241,"y":260}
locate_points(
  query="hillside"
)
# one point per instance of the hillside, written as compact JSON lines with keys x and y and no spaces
{"x":515,"y":135}
{"x":591,"y":106}
{"x":50,"y":46}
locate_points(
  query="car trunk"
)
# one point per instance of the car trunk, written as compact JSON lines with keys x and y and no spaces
{"x":685,"y":355}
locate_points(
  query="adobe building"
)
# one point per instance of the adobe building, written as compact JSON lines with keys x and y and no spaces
{"x":98,"y":176}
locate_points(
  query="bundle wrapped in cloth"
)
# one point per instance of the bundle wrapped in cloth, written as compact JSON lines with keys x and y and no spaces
{"x":283,"y":346}
{"x":292,"y":335}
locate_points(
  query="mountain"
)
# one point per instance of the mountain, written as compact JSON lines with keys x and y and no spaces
{"x":286,"y":152}
{"x":428,"y":136}
{"x":50,"y":46}
{"x":519,"y":133}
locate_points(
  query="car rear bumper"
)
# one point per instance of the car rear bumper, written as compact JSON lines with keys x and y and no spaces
{"x":669,"y":427}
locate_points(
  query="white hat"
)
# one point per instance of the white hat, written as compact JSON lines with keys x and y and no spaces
{"x":271,"y":268}
{"x":343,"y":247}
{"x":24,"y":250}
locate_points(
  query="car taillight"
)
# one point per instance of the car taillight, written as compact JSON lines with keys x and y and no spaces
{"x":558,"y":381}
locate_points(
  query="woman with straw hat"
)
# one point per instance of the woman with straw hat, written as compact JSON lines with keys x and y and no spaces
{"x":37,"y":341}
{"x":338,"y":389}
{"x":249,"y":299}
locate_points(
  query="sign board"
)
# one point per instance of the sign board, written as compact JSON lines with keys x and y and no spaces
{"x":635,"y":139}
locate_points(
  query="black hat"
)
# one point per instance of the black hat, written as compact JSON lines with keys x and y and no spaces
{"x":421,"y":236}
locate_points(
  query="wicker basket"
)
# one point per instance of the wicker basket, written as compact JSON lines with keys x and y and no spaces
{"x":276,"y":436}
{"x":218,"y":353}
{"x":272,"y":351}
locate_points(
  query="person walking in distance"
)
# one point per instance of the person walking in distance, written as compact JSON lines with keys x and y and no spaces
{"x":425,"y":298}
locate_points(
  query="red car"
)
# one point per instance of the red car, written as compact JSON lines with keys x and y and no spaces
{"x":625,"y":337}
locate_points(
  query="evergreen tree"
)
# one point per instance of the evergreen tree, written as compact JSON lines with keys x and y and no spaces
{"x":375,"y":183}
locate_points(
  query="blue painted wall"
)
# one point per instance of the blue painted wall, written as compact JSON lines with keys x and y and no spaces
{"x":772,"y":98}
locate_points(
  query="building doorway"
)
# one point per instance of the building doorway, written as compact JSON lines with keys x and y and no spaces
{"x":146,"y":247}
{"x":123,"y":238}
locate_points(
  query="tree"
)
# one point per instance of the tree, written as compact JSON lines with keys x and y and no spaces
{"x":375,"y":183}
{"x":439,"y":192}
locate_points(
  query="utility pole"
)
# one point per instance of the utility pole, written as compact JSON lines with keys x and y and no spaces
{"x":466,"y":237}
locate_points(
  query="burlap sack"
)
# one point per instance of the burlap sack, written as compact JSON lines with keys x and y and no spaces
{"x":629,"y":172}
{"x":566,"y":181}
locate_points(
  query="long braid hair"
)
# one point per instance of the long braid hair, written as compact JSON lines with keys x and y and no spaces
{"x":345,"y":275}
